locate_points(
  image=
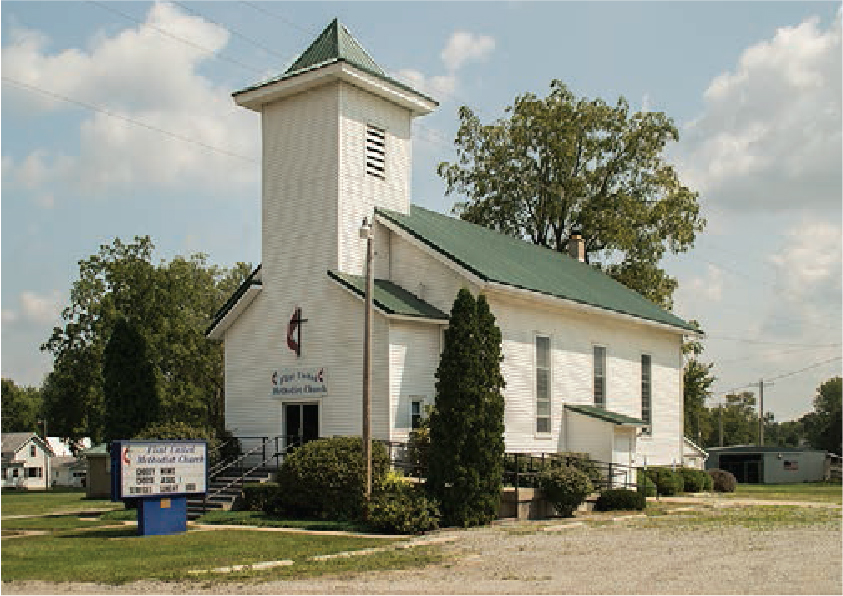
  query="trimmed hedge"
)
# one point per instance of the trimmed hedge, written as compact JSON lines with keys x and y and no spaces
{"x":566,"y":488}
{"x":620,"y":499}
{"x":723,"y":481}
{"x":645,"y":485}
{"x":256,"y":495}
{"x":695,"y":480}
{"x":403,"y":508}
{"x":668,"y":483}
{"x":325,"y":479}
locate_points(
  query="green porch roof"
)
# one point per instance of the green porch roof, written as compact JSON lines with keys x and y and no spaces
{"x":606,"y":415}
{"x":335,"y":44}
{"x":390,"y":298}
{"x":495,"y":257}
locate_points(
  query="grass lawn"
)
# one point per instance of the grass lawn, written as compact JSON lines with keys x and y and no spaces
{"x":808,"y":491}
{"x":52,"y":501}
{"x":261,"y":519}
{"x":115,"y":556}
{"x":56,"y":523}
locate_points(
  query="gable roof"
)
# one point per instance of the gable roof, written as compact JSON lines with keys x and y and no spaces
{"x":495,"y":257}
{"x":253,"y":281}
{"x":335,"y":44}
{"x":605,"y":415}
{"x":12,"y":442}
{"x":390,"y":297}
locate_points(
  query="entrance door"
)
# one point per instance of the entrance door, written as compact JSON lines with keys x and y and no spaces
{"x":301,"y":424}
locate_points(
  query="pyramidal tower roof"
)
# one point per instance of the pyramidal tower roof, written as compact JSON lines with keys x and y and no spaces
{"x":335,"y":43}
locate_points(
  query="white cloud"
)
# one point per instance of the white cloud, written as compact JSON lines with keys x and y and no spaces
{"x":463,"y":47}
{"x":708,"y":287}
{"x":40,"y":309}
{"x":160,"y":119}
{"x":809,"y":265}
{"x":770,"y":133}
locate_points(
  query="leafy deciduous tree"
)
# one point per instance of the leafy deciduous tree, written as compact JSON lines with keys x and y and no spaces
{"x":565,"y":163}
{"x":22,"y":407}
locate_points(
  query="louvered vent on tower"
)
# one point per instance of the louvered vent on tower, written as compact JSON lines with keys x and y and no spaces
{"x":375,"y":151}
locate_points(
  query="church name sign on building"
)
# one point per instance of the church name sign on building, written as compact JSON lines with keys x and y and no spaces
{"x":299,"y":382}
{"x":148,"y":469}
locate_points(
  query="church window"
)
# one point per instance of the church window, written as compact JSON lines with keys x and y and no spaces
{"x":542,"y":384}
{"x":600,"y":376}
{"x":375,"y":151}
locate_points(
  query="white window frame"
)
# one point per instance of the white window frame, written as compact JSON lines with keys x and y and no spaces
{"x":549,"y":416}
{"x":648,"y":429}
{"x":422,"y":401}
{"x":605,"y":377}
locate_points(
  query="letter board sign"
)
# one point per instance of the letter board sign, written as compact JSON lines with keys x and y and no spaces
{"x":158,"y":468}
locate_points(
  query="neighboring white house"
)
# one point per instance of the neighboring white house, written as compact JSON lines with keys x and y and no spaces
{"x":67,"y":470}
{"x":25,"y":461}
{"x":693,"y":455}
{"x":590,"y":366}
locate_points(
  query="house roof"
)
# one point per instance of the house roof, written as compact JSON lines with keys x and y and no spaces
{"x":98,"y":449}
{"x":389,"y":297}
{"x":764,"y":449}
{"x":11,"y":442}
{"x":334,"y":44}
{"x":605,"y":415}
{"x":495,"y":257}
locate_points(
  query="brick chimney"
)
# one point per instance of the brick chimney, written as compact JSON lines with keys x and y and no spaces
{"x":576,"y":247}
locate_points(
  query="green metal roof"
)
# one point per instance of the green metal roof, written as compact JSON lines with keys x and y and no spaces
{"x":495,"y":257}
{"x":335,"y":44}
{"x":390,"y":298}
{"x":606,"y":415}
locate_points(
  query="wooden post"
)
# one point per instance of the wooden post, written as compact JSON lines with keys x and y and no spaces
{"x":367,"y":360}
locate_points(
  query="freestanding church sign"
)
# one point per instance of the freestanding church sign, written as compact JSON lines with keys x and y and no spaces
{"x":161,"y":474}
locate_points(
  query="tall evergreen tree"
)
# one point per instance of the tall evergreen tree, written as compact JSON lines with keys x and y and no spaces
{"x":490,"y":430}
{"x":130,"y":387}
{"x":466,"y":427}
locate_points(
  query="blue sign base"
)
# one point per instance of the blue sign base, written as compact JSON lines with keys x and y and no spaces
{"x":160,"y":516}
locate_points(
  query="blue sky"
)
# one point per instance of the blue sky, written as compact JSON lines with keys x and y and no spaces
{"x":117,"y":120}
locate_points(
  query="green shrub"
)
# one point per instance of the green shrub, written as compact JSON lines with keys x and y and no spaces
{"x":620,"y":499}
{"x":257,"y":495}
{"x":565,"y":487}
{"x":668,"y":482}
{"x":723,"y":481}
{"x":403,"y":508}
{"x":326,"y":479}
{"x":708,"y":486}
{"x":695,"y":480}
{"x":645,"y":484}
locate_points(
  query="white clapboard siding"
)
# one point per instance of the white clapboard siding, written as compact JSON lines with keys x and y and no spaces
{"x":413,"y":360}
{"x":360,"y":192}
{"x":573,"y":336}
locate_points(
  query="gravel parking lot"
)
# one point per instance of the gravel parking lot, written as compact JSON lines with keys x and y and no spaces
{"x":619,"y":558}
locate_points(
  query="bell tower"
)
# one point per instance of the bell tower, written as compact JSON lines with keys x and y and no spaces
{"x":336,"y":143}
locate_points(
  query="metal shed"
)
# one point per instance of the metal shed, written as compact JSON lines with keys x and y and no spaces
{"x":769,"y":465}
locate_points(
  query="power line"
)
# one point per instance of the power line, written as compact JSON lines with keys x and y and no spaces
{"x":111,"y":114}
{"x":781,"y":376}
{"x":765,"y":355}
{"x":166,"y":33}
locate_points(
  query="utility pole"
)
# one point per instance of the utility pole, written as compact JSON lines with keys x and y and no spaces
{"x":720,"y":418}
{"x":367,"y":232}
{"x":760,"y":384}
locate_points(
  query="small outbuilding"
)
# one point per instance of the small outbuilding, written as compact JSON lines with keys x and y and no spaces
{"x":97,"y":472}
{"x":769,"y":465}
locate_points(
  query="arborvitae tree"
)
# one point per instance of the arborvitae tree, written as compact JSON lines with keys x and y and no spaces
{"x":130,"y":387}
{"x":490,"y":430}
{"x":466,"y":427}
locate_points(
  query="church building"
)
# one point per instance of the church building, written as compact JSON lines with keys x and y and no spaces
{"x":590,"y":366}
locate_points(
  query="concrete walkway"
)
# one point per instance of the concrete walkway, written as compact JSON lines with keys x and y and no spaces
{"x":718,"y":501}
